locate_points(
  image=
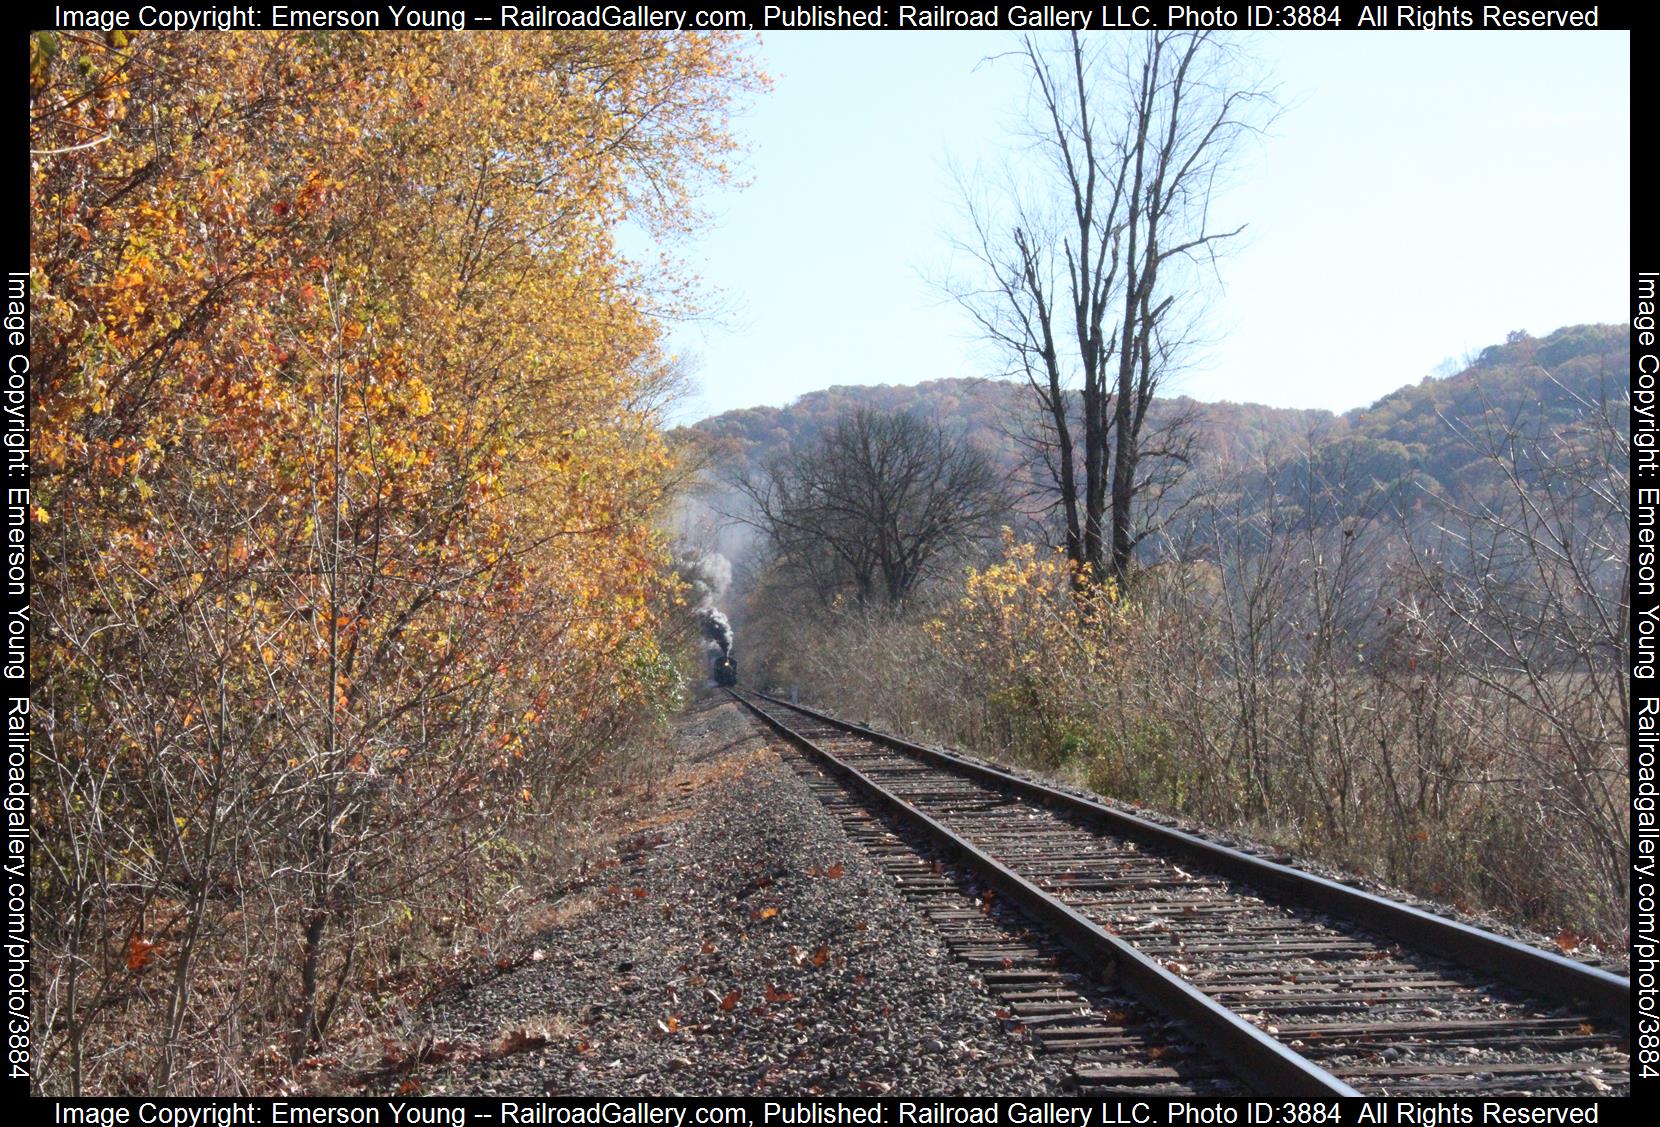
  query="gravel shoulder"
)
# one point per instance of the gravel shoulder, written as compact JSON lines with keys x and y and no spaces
{"x":735,"y":943}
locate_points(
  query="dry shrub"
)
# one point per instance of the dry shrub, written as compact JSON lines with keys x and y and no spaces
{"x":1252,"y":703}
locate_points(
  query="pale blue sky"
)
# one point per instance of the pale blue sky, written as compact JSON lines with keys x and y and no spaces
{"x":1422,"y":195}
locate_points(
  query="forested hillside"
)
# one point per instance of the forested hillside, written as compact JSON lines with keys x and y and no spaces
{"x":1529,"y":389}
{"x":990,"y":413}
{"x":1427,"y":435}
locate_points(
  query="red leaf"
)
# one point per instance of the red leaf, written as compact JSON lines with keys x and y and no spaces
{"x":139,"y":953}
{"x":731,"y":999}
{"x":821,"y":956}
{"x":834,"y":872}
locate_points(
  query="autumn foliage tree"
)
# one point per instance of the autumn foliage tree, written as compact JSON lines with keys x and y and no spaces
{"x":346,"y":471}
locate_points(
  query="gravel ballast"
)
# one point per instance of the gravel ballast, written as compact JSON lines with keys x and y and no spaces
{"x":739,"y":945}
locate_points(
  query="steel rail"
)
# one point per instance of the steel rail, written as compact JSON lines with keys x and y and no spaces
{"x":1538,"y":971}
{"x":1265,"y":1064}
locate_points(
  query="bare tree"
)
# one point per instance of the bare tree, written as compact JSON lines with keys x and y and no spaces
{"x":1522,"y":585}
{"x":873,"y":505}
{"x":1084,"y":267}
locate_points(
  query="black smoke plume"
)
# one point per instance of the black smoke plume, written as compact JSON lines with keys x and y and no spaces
{"x":709,"y":574}
{"x":717,"y":629}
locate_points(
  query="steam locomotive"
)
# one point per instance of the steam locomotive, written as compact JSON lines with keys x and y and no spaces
{"x":726,"y":671}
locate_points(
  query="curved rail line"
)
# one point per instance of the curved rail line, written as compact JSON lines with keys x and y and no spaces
{"x":1298,"y":982}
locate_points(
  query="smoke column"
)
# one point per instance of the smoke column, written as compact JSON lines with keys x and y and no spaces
{"x":717,"y":629}
{"x":709,"y":574}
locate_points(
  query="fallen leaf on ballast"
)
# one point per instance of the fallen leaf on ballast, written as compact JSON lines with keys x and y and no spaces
{"x":518,"y":1040}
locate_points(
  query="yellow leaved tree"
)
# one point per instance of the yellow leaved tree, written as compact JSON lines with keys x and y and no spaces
{"x":347,"y":466}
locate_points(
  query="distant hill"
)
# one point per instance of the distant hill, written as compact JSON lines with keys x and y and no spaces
{"x":989,"y":413}
{"x":1536,"y":388}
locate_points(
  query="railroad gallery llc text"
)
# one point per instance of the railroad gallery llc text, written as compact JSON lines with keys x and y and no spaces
{"x":1049,"y":1114}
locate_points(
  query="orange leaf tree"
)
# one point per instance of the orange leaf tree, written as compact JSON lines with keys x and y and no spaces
{"x":345,"y":436}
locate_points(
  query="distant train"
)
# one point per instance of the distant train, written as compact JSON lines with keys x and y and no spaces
{"x":726,"y":671}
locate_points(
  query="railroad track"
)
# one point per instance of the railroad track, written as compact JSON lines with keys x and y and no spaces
{"x":1298,"y":984}
{"x":1042,"y":991}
